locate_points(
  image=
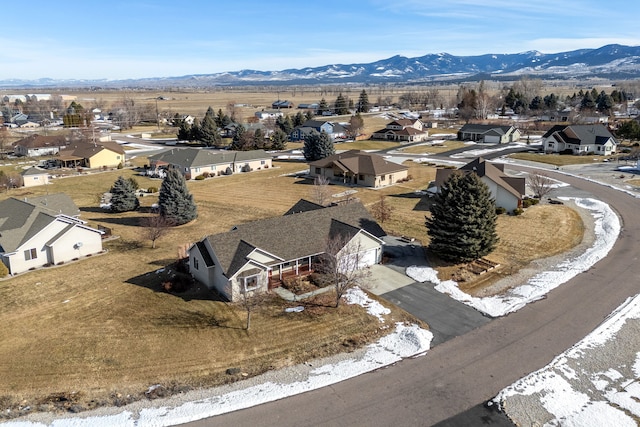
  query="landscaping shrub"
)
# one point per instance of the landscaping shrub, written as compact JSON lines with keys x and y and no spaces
{"x":526,"y":203}
{"x":320,"y":280}
{"x":205,"y":174}
{"x":200,"y":178}
{"x":120,"y":165}
{"x":517,"y":211}
{"x":500,"y":210}
{"x":181,"y":282}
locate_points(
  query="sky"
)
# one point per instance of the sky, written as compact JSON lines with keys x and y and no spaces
{"x":147,"y":38}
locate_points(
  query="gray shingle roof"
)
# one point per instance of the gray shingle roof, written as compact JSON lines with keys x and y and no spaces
{"x":194,"y":157}
{"x":22,"y":219}
{"x":291,"y":236}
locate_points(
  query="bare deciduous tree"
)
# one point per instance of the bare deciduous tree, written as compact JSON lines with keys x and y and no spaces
{"x":155,"y":227}
{"x":540,"y":184}
{"x":321,"y":192}
{"x":250,"y":301}
{"x":381,"y":210}
{"x":342,"y":262}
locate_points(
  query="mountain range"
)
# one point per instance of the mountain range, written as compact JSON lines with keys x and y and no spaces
{"x":615,"y":62}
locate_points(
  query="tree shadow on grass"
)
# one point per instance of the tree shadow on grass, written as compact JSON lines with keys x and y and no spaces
{"x":132,"y":221}
{"x":183,"y":318}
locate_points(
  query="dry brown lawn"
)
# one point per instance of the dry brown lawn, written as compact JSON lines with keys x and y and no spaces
{"x":558,"y":159}
{"x":433,"y":149}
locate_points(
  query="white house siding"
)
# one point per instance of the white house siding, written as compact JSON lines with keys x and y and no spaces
{"x":502,"y":197}
{"x":199,"y":269}
{"x":236,"y":281}
{"x":18,"y":263}
{"x":75,"y":243}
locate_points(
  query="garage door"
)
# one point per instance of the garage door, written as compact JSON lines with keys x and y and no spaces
{"x":368,"y":257}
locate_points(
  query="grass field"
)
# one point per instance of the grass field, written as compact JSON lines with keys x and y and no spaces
{"x":559,"y":159}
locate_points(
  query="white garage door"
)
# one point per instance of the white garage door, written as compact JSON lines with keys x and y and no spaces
{"x":368,"y":257}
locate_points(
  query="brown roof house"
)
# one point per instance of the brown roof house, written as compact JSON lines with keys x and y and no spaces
{"x":359,"y":168}
{"x":403,"y":130}
{"x":92,"y":155}
{"x":580,"y":139}
{"x":507,"y":191}
{"x":256,"y":256}
{"x":43,"y":231}
{"x":40,"y":145}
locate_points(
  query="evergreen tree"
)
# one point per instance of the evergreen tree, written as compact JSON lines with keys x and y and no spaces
{"x":317,"y":145}
{"x":299,"y":119}
{"x":278,"y":140}
{"x":462,"y":226}
{"x":323,"y":107}
{"x":209,"y":130}
{"x":341,"y":105}
{"x":588,"y":103}
{"x":238,"y":141}
{"x":285,"y":124}
{"x":222,"y":119}
{"x":184,"y":131}
{"x":196,"y":131}
{"x":604,"y":103}
{"x":123,"y":196}
{"x":175,"y":202}
{"x":363,"y":102}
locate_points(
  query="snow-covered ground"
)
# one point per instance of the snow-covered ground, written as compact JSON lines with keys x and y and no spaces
{"x":607,"y":228}
{"x":405,"y":341}
{"x":595,"y":383}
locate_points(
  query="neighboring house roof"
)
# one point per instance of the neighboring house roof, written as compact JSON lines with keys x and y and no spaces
{"x":493,"y":171}
{"x":194,"y":157}
{"x":580,"y":134}
{"x":292,"y":236}
{"x":55,"y":204}
{"x":34,"y":171}
{"x":41,"y":141}
{"x":303,"y":205}
{"x":86,"y":150}
{"x":477,"y":128}
{"x":359,"y":162}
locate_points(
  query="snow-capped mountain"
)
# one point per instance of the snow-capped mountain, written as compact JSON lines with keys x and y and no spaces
{"x":611,"y":61}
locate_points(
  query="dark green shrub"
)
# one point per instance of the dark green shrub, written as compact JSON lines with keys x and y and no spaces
{"x":200,"y":178}
{"x":517,"y":211}
{"x":500,"y":210}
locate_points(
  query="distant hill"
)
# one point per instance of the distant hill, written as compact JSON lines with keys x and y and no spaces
{"x":611,"y":61}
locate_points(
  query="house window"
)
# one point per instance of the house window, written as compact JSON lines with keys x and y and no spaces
{"x":383,"y":177}
{"x":262,"y":162}
{"x":317,"y":171}
{"x":361,"y":177}
{"x":30,"y":254}
{"x":195,"y":263}
{"x":249,"y":283}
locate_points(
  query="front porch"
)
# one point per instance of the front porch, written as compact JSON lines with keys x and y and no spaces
{"x":276,"y":279}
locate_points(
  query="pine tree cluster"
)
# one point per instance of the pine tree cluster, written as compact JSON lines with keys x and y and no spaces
{"x":317,"y":145}
{"x":123,"y":196}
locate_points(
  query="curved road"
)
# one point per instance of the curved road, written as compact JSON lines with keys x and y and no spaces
{"x":471,"y":369}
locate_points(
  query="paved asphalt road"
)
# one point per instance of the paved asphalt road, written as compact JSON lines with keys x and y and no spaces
{"x":462,"y":373}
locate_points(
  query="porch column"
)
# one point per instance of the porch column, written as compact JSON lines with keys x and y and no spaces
{"x":296,"y":267}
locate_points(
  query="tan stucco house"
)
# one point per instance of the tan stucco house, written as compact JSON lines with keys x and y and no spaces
{"x":488,"y":134}
{"x":92,"y":155}
{"x":34,"y":176}
{"x":403,"y":130}
{"x":44,"y":231}
{"x":257,"y":256}
{"x":359,"y":168}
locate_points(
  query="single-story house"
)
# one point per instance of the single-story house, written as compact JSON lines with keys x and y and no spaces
{"x":281,"y":104}
{"x":258,"y":255}
{"x":359,"y":168}
{"x":40,"y":145}
{"x":43,"y":231}
{"x":580,"y":139}
{"x":507,"y":191}
{"x":488,"y":134}
{"x":403,"y":130}
{"x":34,"y":176}
{"x":192,"y":162}
{"x":334,"y":130}
{"x":92,"y":155}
